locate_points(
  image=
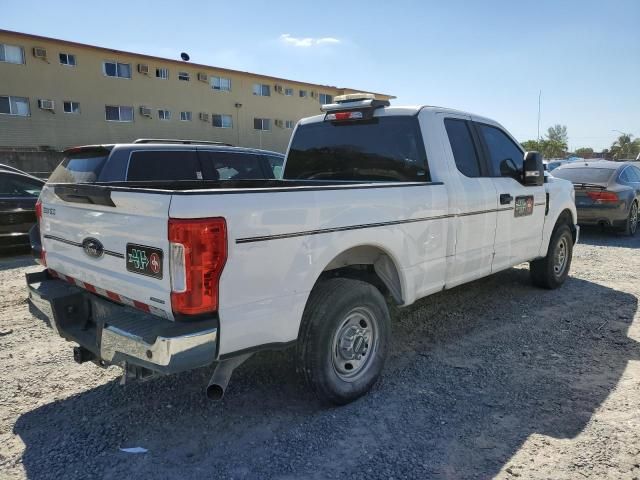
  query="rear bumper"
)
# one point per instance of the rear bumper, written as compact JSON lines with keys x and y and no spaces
{"x":118,"y":335}
{"x":602,"y":215}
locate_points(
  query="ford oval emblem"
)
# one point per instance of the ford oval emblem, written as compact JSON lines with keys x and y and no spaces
{"x":93,"y":247}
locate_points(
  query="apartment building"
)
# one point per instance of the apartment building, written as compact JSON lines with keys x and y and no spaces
{"x":56,"y":93}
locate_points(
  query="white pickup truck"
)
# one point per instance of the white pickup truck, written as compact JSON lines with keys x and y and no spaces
{"x":377,"y":204}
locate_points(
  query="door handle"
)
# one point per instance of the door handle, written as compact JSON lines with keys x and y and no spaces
{"x":505,"y":198}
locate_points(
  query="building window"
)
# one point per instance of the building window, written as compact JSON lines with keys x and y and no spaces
{"x":325,"y":99}
{"x":184,"y":76}
{"x":261,"y":90}
{"x":222,"y":121}
{"x":288,"y":92}
{"x":11,"y":53}
{"x":185,"y":116}
{"x":303,"y":93}
{"x":115,"y":69}
{"x":289,"y":124}
{"x":71,"y":107}
{"x":164,"y":114}
{"x":14,"y":106}
{"x":162,"y":73}
{"x":67,"y":59}
{"x":262,"y":124}
{"x":221,"y":83}
{"x":115,"y":113}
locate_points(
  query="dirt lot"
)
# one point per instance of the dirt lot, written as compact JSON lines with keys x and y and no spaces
{"x":494,"y":379}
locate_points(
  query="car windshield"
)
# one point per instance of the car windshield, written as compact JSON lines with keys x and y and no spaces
{"x":380,"y":149}
{"x":584,"y":175}
{"x":81,"y":166}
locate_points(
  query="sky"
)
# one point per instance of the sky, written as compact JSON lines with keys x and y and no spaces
{"x":489,"y":57}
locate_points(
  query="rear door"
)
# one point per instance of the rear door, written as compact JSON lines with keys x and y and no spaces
{"x":108,"y":239}
{"x":472,"y":201}
{"x":521,"y":210}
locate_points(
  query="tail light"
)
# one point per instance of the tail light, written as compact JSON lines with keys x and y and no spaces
{"x":43,"y":253}
{"x":603,"y":196}
{"x":197,"y":254}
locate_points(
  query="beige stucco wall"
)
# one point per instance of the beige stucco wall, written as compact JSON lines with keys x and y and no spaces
{"x":86,"y":83}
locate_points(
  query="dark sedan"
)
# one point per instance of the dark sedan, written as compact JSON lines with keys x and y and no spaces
{"x":18,"y":195}
{"x":607,"y":193}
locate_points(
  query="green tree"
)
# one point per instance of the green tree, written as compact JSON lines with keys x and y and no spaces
{"x":625,"y":147}
{"x":553,"y":148}
{"x":584,"y":152}
{"x":531,"y":146}
{"x":558,"y":133}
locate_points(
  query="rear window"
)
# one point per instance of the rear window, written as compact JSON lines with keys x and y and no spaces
{"x":82,"y":166}
{"x":381,"y":149}
{"x":584,"y":175}
{"x":154,"y":165}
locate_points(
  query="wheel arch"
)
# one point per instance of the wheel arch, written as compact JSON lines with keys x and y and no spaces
{"x":370,"y":263}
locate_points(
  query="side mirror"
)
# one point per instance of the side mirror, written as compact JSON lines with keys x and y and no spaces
{"x":533,"y":169}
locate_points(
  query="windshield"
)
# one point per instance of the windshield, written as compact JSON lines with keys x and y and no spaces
{"x":81,"y":166}
{"x":584,"y":175}
{"x":381,"y":149}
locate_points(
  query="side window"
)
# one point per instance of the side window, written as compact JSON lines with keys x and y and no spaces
{"x":17,"y":186}
{"x":634,"y":174}
{"x":164,"y":165}
{"x":234,"y":166}
{"x":505,"y":157}
{"x":275,"y":163}
{"x":625,"y":175}
{"x":464,"y":151}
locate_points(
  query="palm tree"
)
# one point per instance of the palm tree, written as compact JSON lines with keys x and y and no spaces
{"x":625,"y":147}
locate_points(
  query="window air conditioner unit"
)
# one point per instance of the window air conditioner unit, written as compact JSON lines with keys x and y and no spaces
{"x":45,"y":104}
{"x":204,"y":117}
{"x":143,"y":68}
{"x":40,"y":52}
{"x":202,"y":77}
{"x":279,"y":123}
{"x":278,"y":88}
{"x":313,"y":94}
{"x":145,"y":111}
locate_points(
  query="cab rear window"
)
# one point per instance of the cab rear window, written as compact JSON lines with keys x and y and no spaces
{"x":379,"y":149}
{"x":80,"y":166}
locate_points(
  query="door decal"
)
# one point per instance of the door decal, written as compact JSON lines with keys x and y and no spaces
{"x":524,"y":206}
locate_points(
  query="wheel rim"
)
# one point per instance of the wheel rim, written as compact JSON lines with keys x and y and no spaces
{"x":355,"y":344}
{"x":560,"y":256}
{"x":633,"y":218}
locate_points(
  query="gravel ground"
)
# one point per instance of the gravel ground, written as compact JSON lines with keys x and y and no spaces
{"x":494,"y":379}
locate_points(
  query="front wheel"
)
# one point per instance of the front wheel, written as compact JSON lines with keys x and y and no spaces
{"x":551,"y":271}
{"x":344,"y":339}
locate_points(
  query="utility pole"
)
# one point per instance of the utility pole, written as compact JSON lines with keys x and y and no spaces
{"x":539,"y":104}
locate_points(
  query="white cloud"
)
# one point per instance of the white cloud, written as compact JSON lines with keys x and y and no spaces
{"x":307,"y":41}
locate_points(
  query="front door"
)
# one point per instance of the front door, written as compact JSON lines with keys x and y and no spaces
{"x":521,"y":209}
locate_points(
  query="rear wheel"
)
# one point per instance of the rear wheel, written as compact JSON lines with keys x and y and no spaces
{"x":551,"y":271}
{"x":632,"y":220}
{"x":344,"y":339}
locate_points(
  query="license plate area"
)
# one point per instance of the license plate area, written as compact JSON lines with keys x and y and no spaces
{"x":144,"y":260}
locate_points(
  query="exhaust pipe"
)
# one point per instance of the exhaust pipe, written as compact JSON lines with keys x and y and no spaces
{"x":221,"y":375}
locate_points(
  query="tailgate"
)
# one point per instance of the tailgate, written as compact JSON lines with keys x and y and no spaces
{"x":114,"y":241}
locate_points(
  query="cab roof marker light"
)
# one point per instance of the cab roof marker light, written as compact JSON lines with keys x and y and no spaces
{"x":344,"y":116}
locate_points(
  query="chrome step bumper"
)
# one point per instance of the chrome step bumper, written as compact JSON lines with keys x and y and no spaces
{"x":119,"y":335}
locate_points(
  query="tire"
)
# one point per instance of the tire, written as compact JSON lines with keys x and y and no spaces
{"x":344,"y":339}
{"x":550,"y":272}
{"x":631,"y":225}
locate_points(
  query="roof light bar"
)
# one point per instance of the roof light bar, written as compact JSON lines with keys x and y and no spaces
{"x":352,"y":97}
{"x":355,"y":101}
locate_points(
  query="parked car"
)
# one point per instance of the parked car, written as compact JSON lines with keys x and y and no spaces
{"x":154,"y":160}
{"x":607,"y":193}
{"x":376,"y":200}
{"x":553,"y":164}
{"x":18,"y":194}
